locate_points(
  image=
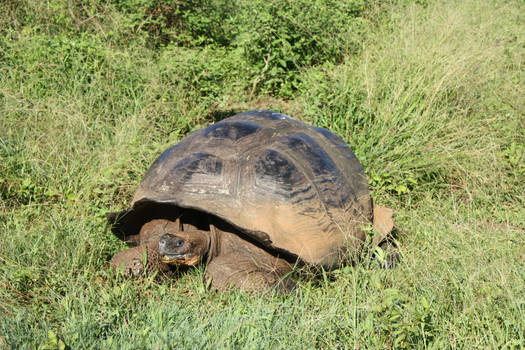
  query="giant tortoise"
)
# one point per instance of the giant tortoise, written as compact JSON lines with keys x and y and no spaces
{"x":249,"y":196}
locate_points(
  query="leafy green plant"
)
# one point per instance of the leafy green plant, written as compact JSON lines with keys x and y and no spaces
{"x":405,"y":323}
{"x":186,"y":23}
{"x":387,"y":182}
{"x":279,"y":38}
{"x":515,"y":157}
{"x":274,"y":39}
{"x":53,"y":342}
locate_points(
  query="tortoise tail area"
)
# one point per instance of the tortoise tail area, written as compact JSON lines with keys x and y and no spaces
{"x":383,"y":223}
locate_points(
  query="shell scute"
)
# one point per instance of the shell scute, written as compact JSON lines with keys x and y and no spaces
{"x":233,"y":130}
{"x":198,"y":163}
{"x":308,"y":149}
{"x":277,"y":173}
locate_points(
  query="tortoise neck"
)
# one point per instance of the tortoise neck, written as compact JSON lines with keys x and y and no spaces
{"x":213,"y":247}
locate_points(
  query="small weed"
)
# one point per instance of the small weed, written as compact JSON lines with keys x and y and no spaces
{"x":53,"y":342}
{"x":404,"y":323}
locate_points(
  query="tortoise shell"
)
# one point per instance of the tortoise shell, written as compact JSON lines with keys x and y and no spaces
{"x":290,"y":186}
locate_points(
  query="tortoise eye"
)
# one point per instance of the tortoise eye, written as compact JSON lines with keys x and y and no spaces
{"x":179,"y":243}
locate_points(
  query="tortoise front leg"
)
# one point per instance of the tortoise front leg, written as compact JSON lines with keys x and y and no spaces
{"x":131,"y":261}
{"x":230,"y":270}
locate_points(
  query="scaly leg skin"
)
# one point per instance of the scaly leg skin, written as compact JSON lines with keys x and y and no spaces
{"x":229,"y":270}
{"x":131,"y":261}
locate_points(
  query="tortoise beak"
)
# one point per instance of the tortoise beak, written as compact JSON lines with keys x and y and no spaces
{"x":173,"y":249}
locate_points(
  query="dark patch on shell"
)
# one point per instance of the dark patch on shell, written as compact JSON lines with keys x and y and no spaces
{"x":233,"y":131}
{"x":333,"y":138}
{"x":274,"y":168}
{"x":311,"y":152}
{"x":198,"y":163}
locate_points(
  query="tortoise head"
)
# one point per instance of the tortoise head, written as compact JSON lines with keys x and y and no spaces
{"x":174,"y":244}
{"x":184,"y":247}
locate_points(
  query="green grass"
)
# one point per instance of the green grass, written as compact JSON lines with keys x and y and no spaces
{"x":429,"y":94}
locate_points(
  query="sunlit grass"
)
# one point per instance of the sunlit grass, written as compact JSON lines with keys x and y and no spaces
{"x":432,"y":104}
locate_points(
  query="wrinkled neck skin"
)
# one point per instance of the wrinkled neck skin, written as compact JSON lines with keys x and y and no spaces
{"x":213,"y":243}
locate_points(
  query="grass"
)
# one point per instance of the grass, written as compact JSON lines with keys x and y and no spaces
{"x":430,"y":98}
